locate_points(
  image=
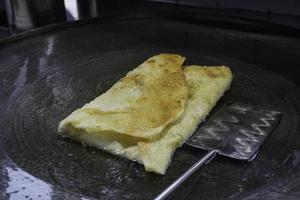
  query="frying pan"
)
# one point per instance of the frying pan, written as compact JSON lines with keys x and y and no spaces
{"x":48,"y":73}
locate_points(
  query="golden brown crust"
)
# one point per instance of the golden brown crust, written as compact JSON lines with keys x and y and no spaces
{"x":159,"y":91}
{"x":211,"y":72}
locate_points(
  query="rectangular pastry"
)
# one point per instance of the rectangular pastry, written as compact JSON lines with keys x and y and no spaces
{"x":150,"y":112}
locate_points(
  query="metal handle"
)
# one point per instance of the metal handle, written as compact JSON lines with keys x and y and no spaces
{"x":204,"y":160}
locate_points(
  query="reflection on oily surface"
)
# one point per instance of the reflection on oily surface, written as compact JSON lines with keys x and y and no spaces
{"x":18,"y":184}
{"x":22,"y":185}
{"x":39,"y":89}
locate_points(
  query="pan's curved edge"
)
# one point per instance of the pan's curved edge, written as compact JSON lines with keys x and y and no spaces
{"x":205,"y":21}
{"x":53,"y":27}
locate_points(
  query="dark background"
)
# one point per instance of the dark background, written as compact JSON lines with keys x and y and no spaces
{"x":283,"y":12}
{"x":271,"y":17}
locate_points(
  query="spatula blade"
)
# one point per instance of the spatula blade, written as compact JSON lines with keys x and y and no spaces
{"x":236,"y":130}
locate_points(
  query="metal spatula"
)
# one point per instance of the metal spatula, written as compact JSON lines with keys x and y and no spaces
{"x":236,"y":130}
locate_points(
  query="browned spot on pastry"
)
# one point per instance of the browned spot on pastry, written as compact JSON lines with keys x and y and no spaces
{"x":150,"y":61}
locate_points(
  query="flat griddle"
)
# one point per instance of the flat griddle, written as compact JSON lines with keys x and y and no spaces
{"x":48,"y":73}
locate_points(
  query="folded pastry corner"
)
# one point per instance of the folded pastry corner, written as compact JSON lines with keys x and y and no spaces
{"x":150,"y":112}
{"x":206,"y":86}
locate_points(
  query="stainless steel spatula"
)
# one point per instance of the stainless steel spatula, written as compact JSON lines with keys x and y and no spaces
{"x":236,"y":130}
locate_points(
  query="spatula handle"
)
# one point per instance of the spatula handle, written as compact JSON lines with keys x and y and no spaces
{"x":205,"y":159}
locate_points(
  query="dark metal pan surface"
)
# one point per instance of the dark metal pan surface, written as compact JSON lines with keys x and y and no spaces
{"x":47,"y":75}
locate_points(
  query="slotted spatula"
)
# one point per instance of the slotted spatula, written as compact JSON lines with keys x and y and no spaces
{"x":236,"y":130}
